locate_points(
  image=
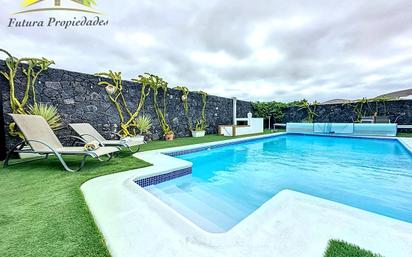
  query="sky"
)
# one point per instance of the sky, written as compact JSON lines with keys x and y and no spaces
{"x":253,"y":50}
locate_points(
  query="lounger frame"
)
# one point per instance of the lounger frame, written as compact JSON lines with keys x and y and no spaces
{"x":18,"y":148}
{"x":119,"y":145}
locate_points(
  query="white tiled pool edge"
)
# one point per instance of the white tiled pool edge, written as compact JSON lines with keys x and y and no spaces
{"x":135,"y":223}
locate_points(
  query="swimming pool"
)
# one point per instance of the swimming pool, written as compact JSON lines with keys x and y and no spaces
{"x":231,"y":182}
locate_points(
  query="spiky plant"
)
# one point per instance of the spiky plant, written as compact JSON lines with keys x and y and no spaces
{"x":48,"y":112}
{"x":144,"y":124}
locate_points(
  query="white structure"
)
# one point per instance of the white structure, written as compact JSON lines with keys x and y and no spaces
{"x":242,"y":126}
{"x":359,"y":129}
{"x":234,"y":110}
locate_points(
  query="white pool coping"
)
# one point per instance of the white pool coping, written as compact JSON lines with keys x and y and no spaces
{"x":136,"y":223}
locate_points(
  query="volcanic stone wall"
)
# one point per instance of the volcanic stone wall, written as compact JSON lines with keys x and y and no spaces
{"x":79,"y":99}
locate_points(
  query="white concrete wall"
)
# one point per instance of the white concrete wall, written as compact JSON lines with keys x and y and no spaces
{"x":255,"y":126}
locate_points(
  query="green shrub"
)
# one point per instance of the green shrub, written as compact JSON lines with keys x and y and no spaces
{"x":337,"y":248}
{"x":267,"y":110}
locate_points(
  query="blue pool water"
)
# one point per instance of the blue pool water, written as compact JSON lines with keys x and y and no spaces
{"x":231,"y":182}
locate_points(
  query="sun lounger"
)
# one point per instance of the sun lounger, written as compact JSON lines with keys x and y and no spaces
{"x":40,"y":139}
{"x":88,"y":134}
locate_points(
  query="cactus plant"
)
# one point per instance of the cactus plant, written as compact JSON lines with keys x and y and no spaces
{"x":156,"y":84}
{"x":310,"y":109}
{"x":114,"y":90}
{"x":185,"y":99}
{"x":32,"y":68}
{"x":204,"y":101}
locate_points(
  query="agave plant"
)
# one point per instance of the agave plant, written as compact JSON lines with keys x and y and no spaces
{"x":48,"y":112}
{"x":143,"y":124}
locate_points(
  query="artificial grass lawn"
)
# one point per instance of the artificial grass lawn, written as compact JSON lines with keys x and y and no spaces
{"x":43,"y":212}
{"x":338,"y":248}
{"x":404,"y":134}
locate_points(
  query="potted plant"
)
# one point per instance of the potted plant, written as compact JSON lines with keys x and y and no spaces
{"x":199,"y":129}
{"x":143,"y":125}
{"x":169,"y":135}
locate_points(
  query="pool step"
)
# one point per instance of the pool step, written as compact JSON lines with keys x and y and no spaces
{"x":250,"y":200}
{"x":199,"y":212}
{"x":219,"y":198}
{"x":220,"y":202}
{"x":245,"y":198}
{"x":203,"y":208}
{"x":187,"y":212}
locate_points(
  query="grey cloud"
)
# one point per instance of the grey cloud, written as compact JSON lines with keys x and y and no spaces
{"x":318,"y":57}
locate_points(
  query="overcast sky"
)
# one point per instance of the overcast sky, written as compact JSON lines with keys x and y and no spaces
{"x":254,"y":50}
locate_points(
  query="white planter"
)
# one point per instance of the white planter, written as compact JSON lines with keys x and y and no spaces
{"x":133,"y":140}
{"x":198,"y":133}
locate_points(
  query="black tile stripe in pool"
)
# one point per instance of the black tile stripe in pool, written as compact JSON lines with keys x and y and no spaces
{"x":145,"y":182}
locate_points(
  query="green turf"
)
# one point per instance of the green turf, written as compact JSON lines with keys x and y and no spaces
{"x":43,"y":212}
{"x":404,"y":134}
{"x":338,"y":248}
